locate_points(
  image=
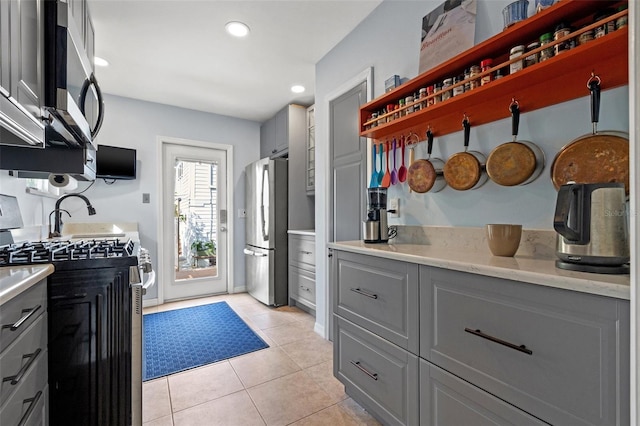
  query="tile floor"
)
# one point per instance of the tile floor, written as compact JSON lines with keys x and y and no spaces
{"x":289,"y":383}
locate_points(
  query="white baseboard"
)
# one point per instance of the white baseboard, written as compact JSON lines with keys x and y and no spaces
{"x":149,"y":302}
{"x":242,"y":289}
{"x":319,"y":329}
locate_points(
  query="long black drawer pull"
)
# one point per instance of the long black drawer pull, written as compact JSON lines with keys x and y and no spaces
{"x":15,"y":379}
{"x":26,"y":314}
{"x":521,"y":348}
{"x":364,"y":293}
{"x":32,"y":404}
{"x":374,"y":376}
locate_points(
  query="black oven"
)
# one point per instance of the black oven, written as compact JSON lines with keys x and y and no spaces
{"x":72,"y":95}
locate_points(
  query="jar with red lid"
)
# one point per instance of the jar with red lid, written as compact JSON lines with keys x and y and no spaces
{"x":474,"y":71}
{"x":485,"y":66}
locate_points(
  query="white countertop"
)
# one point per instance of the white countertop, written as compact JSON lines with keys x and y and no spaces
{"x":523,"y":268}
{"x":16,"y":279}
{"x":311,"y":232}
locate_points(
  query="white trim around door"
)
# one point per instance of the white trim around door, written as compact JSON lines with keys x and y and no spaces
{"x":161,"y":212}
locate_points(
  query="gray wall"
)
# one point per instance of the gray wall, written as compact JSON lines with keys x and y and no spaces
{"x":389,"y":41}
{"x":136,"y":124}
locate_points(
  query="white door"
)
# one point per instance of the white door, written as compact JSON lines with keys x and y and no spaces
{"x":195,"y":235}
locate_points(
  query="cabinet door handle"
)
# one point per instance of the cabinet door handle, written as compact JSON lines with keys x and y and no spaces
{"x":520,"y":348}
{"x":364,"y":293}
{"x":305,"y":252}
{"x":32,"y":404}
{"x":69,"y":296}
{"x":26,"y":314}
{"x":374,"y":376}
{"x":15,"y":379}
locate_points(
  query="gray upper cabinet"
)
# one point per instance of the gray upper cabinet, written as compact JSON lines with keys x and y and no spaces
{"x":310,"y":162}
{"x":5,"y":53}
{"x":26,"y":54}
{"x":277,"y":133}
{"x":21,"y":53}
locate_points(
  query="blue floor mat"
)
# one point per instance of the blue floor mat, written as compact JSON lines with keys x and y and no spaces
{"x":191,"y":337}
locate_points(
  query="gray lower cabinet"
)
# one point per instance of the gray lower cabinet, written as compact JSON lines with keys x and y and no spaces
{"x":23,"y":358}
{"x":302,"y":271}
{"x":379,"y":375}
{"x":555,"y":353}
{"x":491,"y":351}
{"x":446,"y":399}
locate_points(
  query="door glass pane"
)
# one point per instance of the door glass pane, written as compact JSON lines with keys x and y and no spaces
{"x":196,"y":219}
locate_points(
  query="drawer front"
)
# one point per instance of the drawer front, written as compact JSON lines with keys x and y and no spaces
{"x":27,"y":403}
{"x":380,"y":295}
{"x":559,"y":355}
{"x":377,"y":373}
{"x":21,"y":356}
{"x":447,"y":400}
{"x":20,"y":312}
{"x":302,"y":252}
{"x":305,"y":285}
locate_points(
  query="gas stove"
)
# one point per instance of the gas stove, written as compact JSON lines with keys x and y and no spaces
{"x":62,"y":251}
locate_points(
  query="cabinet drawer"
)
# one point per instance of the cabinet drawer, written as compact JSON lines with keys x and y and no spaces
{"x":18,"y":313}
{"x":447,"y":400}
{"x":29,"y":399}
{"x":578,"y":344}
{"x":302,"y":252}
{"x":20,"y":357}
{"x":302,"y":286}
{"x":380,"y":375}
{"x":380,"y":295}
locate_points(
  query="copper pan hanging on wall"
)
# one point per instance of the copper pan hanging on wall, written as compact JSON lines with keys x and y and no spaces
{"x":601,"y":156}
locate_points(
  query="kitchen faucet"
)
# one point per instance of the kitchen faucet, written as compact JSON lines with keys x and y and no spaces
{"x":58,"y":216}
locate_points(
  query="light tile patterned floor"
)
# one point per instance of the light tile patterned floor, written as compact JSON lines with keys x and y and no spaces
{"x":289,"y":383}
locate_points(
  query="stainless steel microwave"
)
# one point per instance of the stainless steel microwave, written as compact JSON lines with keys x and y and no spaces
{"x":72,"y":96}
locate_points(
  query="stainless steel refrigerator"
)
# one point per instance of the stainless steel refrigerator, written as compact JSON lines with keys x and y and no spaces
{"x":266,"y":230}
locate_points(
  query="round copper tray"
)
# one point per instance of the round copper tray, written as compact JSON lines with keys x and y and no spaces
{"x":462,"y":171}
{"x":511,"y":164}
{"x":421,"y":176}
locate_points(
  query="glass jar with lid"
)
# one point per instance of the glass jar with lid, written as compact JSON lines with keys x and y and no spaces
{"x":515,"y":52}
{"x":532,"y":58}
{"x":474,"y":71}
{"x":485,"y":65}
{"x":561,"y":31}
{"x":446,"y":88}
{"x":547,"y":53}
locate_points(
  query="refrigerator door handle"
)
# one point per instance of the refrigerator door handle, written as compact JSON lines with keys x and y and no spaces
{"x":264,"y":192}
{"x":249,"y":252}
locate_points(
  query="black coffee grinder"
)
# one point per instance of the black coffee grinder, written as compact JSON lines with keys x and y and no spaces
{"x":375,"y":228}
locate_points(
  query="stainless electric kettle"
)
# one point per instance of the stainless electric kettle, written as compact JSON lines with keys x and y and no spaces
{"x":593,"y":234}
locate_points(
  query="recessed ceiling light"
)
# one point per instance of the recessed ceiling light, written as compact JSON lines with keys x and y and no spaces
{"x":100,"y":62}
{"x":297,"y":88}
{"x":237,"y":29}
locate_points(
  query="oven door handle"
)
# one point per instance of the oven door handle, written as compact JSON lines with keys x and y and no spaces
{"x":151,"y":280}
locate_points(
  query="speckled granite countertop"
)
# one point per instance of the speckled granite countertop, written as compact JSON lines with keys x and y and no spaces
{"x":526,"y":266}
{"x":16,"y":279}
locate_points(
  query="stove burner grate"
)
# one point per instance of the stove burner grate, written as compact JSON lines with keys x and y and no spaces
{"x":63,"y":251}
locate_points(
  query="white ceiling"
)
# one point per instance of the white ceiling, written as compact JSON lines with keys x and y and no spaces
{"x":177,"y":52}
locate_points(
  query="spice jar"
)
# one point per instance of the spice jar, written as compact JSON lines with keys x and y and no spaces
{"x":561,"y":31}
{"x":458,"y":90}
{"x":436,"y":90}
{"x":607,"y":27}
{"x":515,"y":52}
{"x":401,"y":110}
{"x":446,"y":91}
{"x":467,"y":83}
{"x":430,"y":91}
{"x":622,"y":21}
{"x":532,"y":58}
{"x":408,"y":101}
{"x":422,"y":94}
{"x":485,"y":66}
{"x":585,"y":37}
{"x":498,"y":75}
{"x":474,"y":71}
{"x":547,"y":53}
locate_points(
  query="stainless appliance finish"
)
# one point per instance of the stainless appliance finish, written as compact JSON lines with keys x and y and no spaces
{"x":375,"y":228}
{"x":72,"y":95}
{"x":266,"y":230}
{"x":591,"y":221}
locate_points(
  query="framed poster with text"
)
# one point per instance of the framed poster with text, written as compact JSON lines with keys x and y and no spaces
{"x":447,"y":31}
